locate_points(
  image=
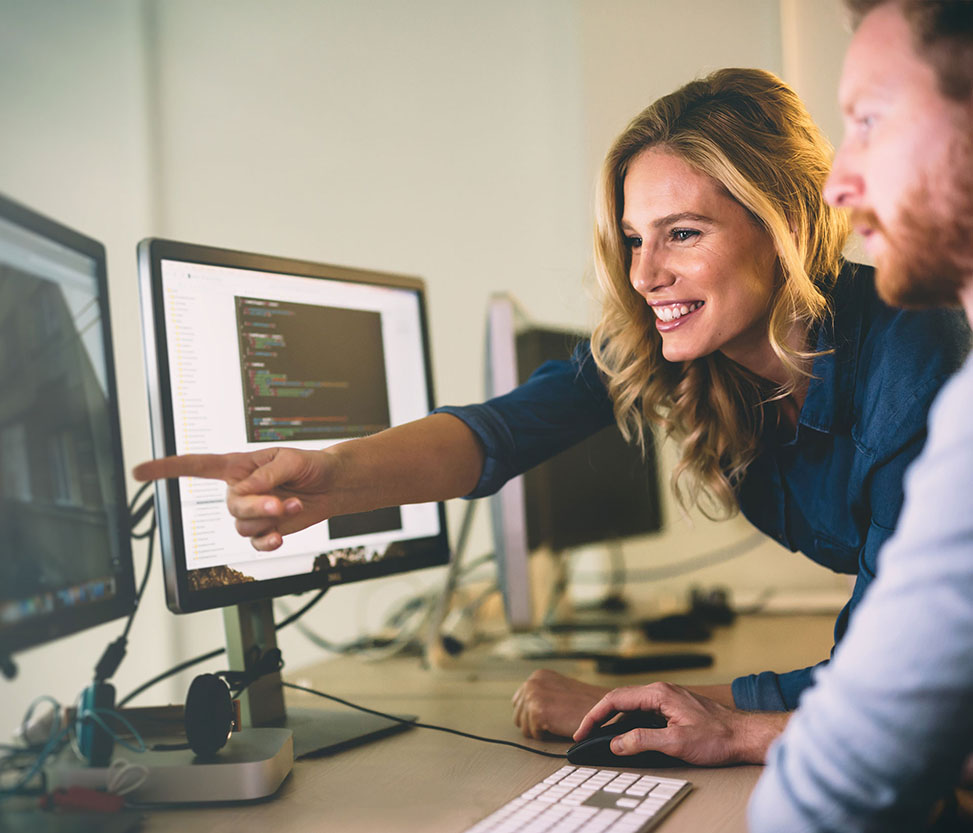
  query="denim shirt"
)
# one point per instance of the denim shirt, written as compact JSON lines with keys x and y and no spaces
{"x":832,"y":489}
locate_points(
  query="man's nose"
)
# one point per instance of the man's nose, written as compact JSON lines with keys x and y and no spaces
{"x":844,"y":186}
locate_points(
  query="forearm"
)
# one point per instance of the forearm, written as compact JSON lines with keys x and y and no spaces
{"x":433,"y":458}
{"x":753,"y":731}
{"x":722,"y":694}
{"x":758,"y":731}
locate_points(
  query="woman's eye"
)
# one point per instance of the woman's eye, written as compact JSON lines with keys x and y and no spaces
{"x":633,"y":242}
{"x":681,"y":235}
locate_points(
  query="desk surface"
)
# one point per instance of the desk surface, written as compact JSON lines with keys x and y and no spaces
{"x":421,"y":780}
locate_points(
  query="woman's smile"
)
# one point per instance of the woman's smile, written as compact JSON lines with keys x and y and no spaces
{"x":673,"y":314}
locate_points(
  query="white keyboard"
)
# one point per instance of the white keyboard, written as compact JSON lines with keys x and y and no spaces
{"x":588,"y":800}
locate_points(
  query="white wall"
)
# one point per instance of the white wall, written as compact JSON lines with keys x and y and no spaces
{"x":452,"y":139}
{"x":814,"y":39}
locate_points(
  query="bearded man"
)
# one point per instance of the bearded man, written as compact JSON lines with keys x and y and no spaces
{"x":883,"y":739}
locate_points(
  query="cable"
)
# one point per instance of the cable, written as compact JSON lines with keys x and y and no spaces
{"x":115,"y":652}
{"x":378,"y":648}
{"x":150,"y":534}
{"x":257,"y":665}
{"x":559,"y":589}
{"x":690,"y":565}
{"x":136,"y":515}
{"x":189,"y":663}
{"x":758,"y":604}
{"x":440,"y":602}
{"x":7,"y":667}
{"x":301,"y":611}
{"x":418,"y":725}
{"x":42,"y":751}
{"x":97,"y":716}
{"x":125,"y":777}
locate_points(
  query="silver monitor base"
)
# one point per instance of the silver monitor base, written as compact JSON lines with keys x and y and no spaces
{"x":321,"y":732}
{"x":252,"y":766}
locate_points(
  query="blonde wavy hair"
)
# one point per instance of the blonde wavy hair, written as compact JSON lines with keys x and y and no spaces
{"x":750,"y":132}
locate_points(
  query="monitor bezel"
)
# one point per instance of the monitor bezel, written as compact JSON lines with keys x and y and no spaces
{"x":508,"y":506}
{"x":65,"y":621}
{"x":420,"y":553}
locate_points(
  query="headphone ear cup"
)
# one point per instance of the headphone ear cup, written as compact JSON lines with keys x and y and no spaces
{"x":208,"y":715}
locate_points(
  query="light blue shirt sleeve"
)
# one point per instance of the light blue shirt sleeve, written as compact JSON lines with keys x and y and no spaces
{"x":885,"y":729}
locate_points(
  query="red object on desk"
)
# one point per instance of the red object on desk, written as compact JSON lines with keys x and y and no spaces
{"x":81,"y":798}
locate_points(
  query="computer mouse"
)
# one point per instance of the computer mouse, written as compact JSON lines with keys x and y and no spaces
{"x":595,"y":750}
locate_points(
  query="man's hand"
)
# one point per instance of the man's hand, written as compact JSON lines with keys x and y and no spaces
{"x":272,"y":492}
{"x":550,"y":703}
{"x":700,"y":731}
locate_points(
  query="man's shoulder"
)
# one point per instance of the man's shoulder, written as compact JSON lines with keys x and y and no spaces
{"x":951,"y":410}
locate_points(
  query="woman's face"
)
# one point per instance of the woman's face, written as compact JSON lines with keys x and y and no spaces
{"x":699,"y":260}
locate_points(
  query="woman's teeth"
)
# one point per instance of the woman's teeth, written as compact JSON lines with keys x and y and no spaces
{"x":674,"y":311}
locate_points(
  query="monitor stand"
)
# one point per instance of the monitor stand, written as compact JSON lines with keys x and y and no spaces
{"x":316,"y":731}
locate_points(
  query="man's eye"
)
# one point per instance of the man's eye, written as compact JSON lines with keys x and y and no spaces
{"x":864,"y":124}
{"x":681,"y":235}
{"x":633,"y":242}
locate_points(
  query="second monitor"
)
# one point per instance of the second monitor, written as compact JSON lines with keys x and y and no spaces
{"x":601,"y":490}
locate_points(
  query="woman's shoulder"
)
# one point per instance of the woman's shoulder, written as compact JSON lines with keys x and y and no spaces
{"x":903,"y":357}
{"x":925,"y":340}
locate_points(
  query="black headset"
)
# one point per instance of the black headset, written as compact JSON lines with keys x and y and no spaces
{"x":210,"y":716}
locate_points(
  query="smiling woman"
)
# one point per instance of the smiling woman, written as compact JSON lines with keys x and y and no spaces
{"x":713,"y":194}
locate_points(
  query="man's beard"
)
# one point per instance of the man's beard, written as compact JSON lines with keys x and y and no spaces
{"x":929,"y":254}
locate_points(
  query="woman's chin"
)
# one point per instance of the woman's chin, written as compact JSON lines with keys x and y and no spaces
{"x":678,"y":352}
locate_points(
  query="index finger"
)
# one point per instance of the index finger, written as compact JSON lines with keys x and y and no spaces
{"x":628,"y":699}
{"x":214,"y":466}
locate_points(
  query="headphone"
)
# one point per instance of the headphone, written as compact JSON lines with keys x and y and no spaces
{"x":210,"y":715}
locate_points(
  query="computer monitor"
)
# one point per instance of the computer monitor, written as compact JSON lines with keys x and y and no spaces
{"x":600,"y":490}
{"x":65,"y":557}
{"x":247,"y":351}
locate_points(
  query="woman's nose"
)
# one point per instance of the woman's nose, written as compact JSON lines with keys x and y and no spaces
{"x":648,"y":272}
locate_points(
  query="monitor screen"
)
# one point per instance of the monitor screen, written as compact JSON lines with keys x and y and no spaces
{"x":65,"y":555}
{"x":247,"y":351}
{"x":600,"y":490}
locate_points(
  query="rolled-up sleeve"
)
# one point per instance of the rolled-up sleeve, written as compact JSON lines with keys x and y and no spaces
{"x":772,"y":692}
{"x":562,"y":403}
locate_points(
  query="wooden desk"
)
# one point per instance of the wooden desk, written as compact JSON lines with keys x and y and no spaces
{"x":421,"y":780}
